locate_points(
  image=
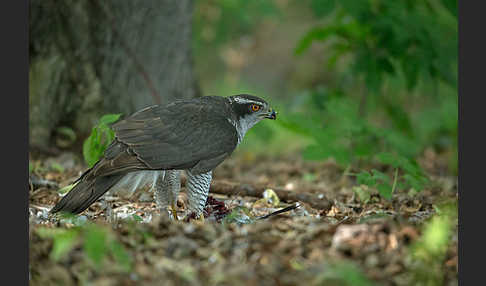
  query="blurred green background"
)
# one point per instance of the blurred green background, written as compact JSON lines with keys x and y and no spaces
{"x":357,"y":81}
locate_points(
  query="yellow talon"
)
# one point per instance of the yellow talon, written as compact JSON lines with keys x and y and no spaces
{"x":200,"y":218}
{"x":173,"y":210}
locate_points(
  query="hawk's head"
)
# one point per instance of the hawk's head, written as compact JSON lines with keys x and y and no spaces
{"x":249,"y":110}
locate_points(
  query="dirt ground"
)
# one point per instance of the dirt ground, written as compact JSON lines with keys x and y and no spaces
{"x":351,"y":243}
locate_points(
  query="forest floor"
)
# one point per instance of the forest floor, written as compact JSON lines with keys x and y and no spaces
{"x":349,"y":243}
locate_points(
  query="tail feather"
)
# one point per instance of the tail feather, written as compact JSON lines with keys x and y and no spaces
{"x":85,"y":192}
{"x":117,"y":163}
{"x":127,"y":186}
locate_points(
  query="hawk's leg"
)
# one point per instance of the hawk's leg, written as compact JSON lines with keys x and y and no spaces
{"x":197,"y":192}
{"x":167,"y":190}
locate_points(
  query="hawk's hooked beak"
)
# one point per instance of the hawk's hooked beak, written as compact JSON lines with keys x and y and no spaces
{"x":271,"y":114}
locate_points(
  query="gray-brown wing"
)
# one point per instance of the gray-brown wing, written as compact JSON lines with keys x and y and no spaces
{"x":180,"y":135}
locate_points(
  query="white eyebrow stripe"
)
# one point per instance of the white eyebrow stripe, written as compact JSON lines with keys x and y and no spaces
{"x":243,"y":100}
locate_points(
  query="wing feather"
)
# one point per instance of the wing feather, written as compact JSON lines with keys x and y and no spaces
{"x":182,"y":134}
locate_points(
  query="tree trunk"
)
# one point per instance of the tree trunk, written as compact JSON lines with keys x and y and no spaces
{"x":88,"y":58}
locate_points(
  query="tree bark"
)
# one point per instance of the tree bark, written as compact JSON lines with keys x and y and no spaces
{"x":88,"y":58}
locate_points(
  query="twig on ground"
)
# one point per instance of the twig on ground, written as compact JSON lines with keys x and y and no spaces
{"x":231,"y":189}
{"x":289,"y":208}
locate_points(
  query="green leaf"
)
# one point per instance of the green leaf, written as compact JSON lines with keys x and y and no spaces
{"x":109,"y":118}
{"x":99,"y":139}
{"x":64,"y":240}
{"x":121,"y":256}
{"x":47,"y":232}
{"x":342,"y":273}
{"x":385,"y":191}
{"x":137,"y":218}
{"x":88,"y":147}
{"x":386,"y":158}
{"x":380,"y":176}
{"x":66,"y":189}
{"x":63,"y":244}
{"x":363,"y":195}
{"x":57,"y":167}
{"x":68,"y":132}
{"x":397,"y":161}
{"x":315,"y":34}
{"x":435,"y":237}
{"x":90,"y":152}
{"x":95,"y":244}
{"x":416,"y":182}
{"x":365,"y":178}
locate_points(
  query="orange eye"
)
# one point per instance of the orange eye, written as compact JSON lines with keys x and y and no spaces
{"x":255,"y":107}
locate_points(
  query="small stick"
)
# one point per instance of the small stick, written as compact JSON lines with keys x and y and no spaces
{"x":289,"y":208}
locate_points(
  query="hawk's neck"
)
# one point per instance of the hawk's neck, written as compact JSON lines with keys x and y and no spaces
{"x":241,"y":126}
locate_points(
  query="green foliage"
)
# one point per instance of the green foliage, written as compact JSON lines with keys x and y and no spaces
{"x":120,"y":255}
{"x":362,"y":193}
{"x":64,"y":240}
{"x":343,"y":273}
{"x":136,"y":218}
{"x":101,"y":136}
{"x":98,"y":243}
{"x":66,"y":189}
{"x":66,"y":136}
{"x":36,"y":167}
{"x":95,"y":245}
{"x":388,"y":51}
{"x":413,"y":176}
{"x":339,"y":132}
{"x":438,"y":125}
{"x":429,"y":252}
{"x":413,"y":38}
{"x":56,"y":167}
{"x":376,"y":179}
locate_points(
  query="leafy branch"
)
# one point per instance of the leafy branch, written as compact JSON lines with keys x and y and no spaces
{"x":99,"y":139}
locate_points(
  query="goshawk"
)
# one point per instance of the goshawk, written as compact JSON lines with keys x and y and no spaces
{"x":156,"y":143}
